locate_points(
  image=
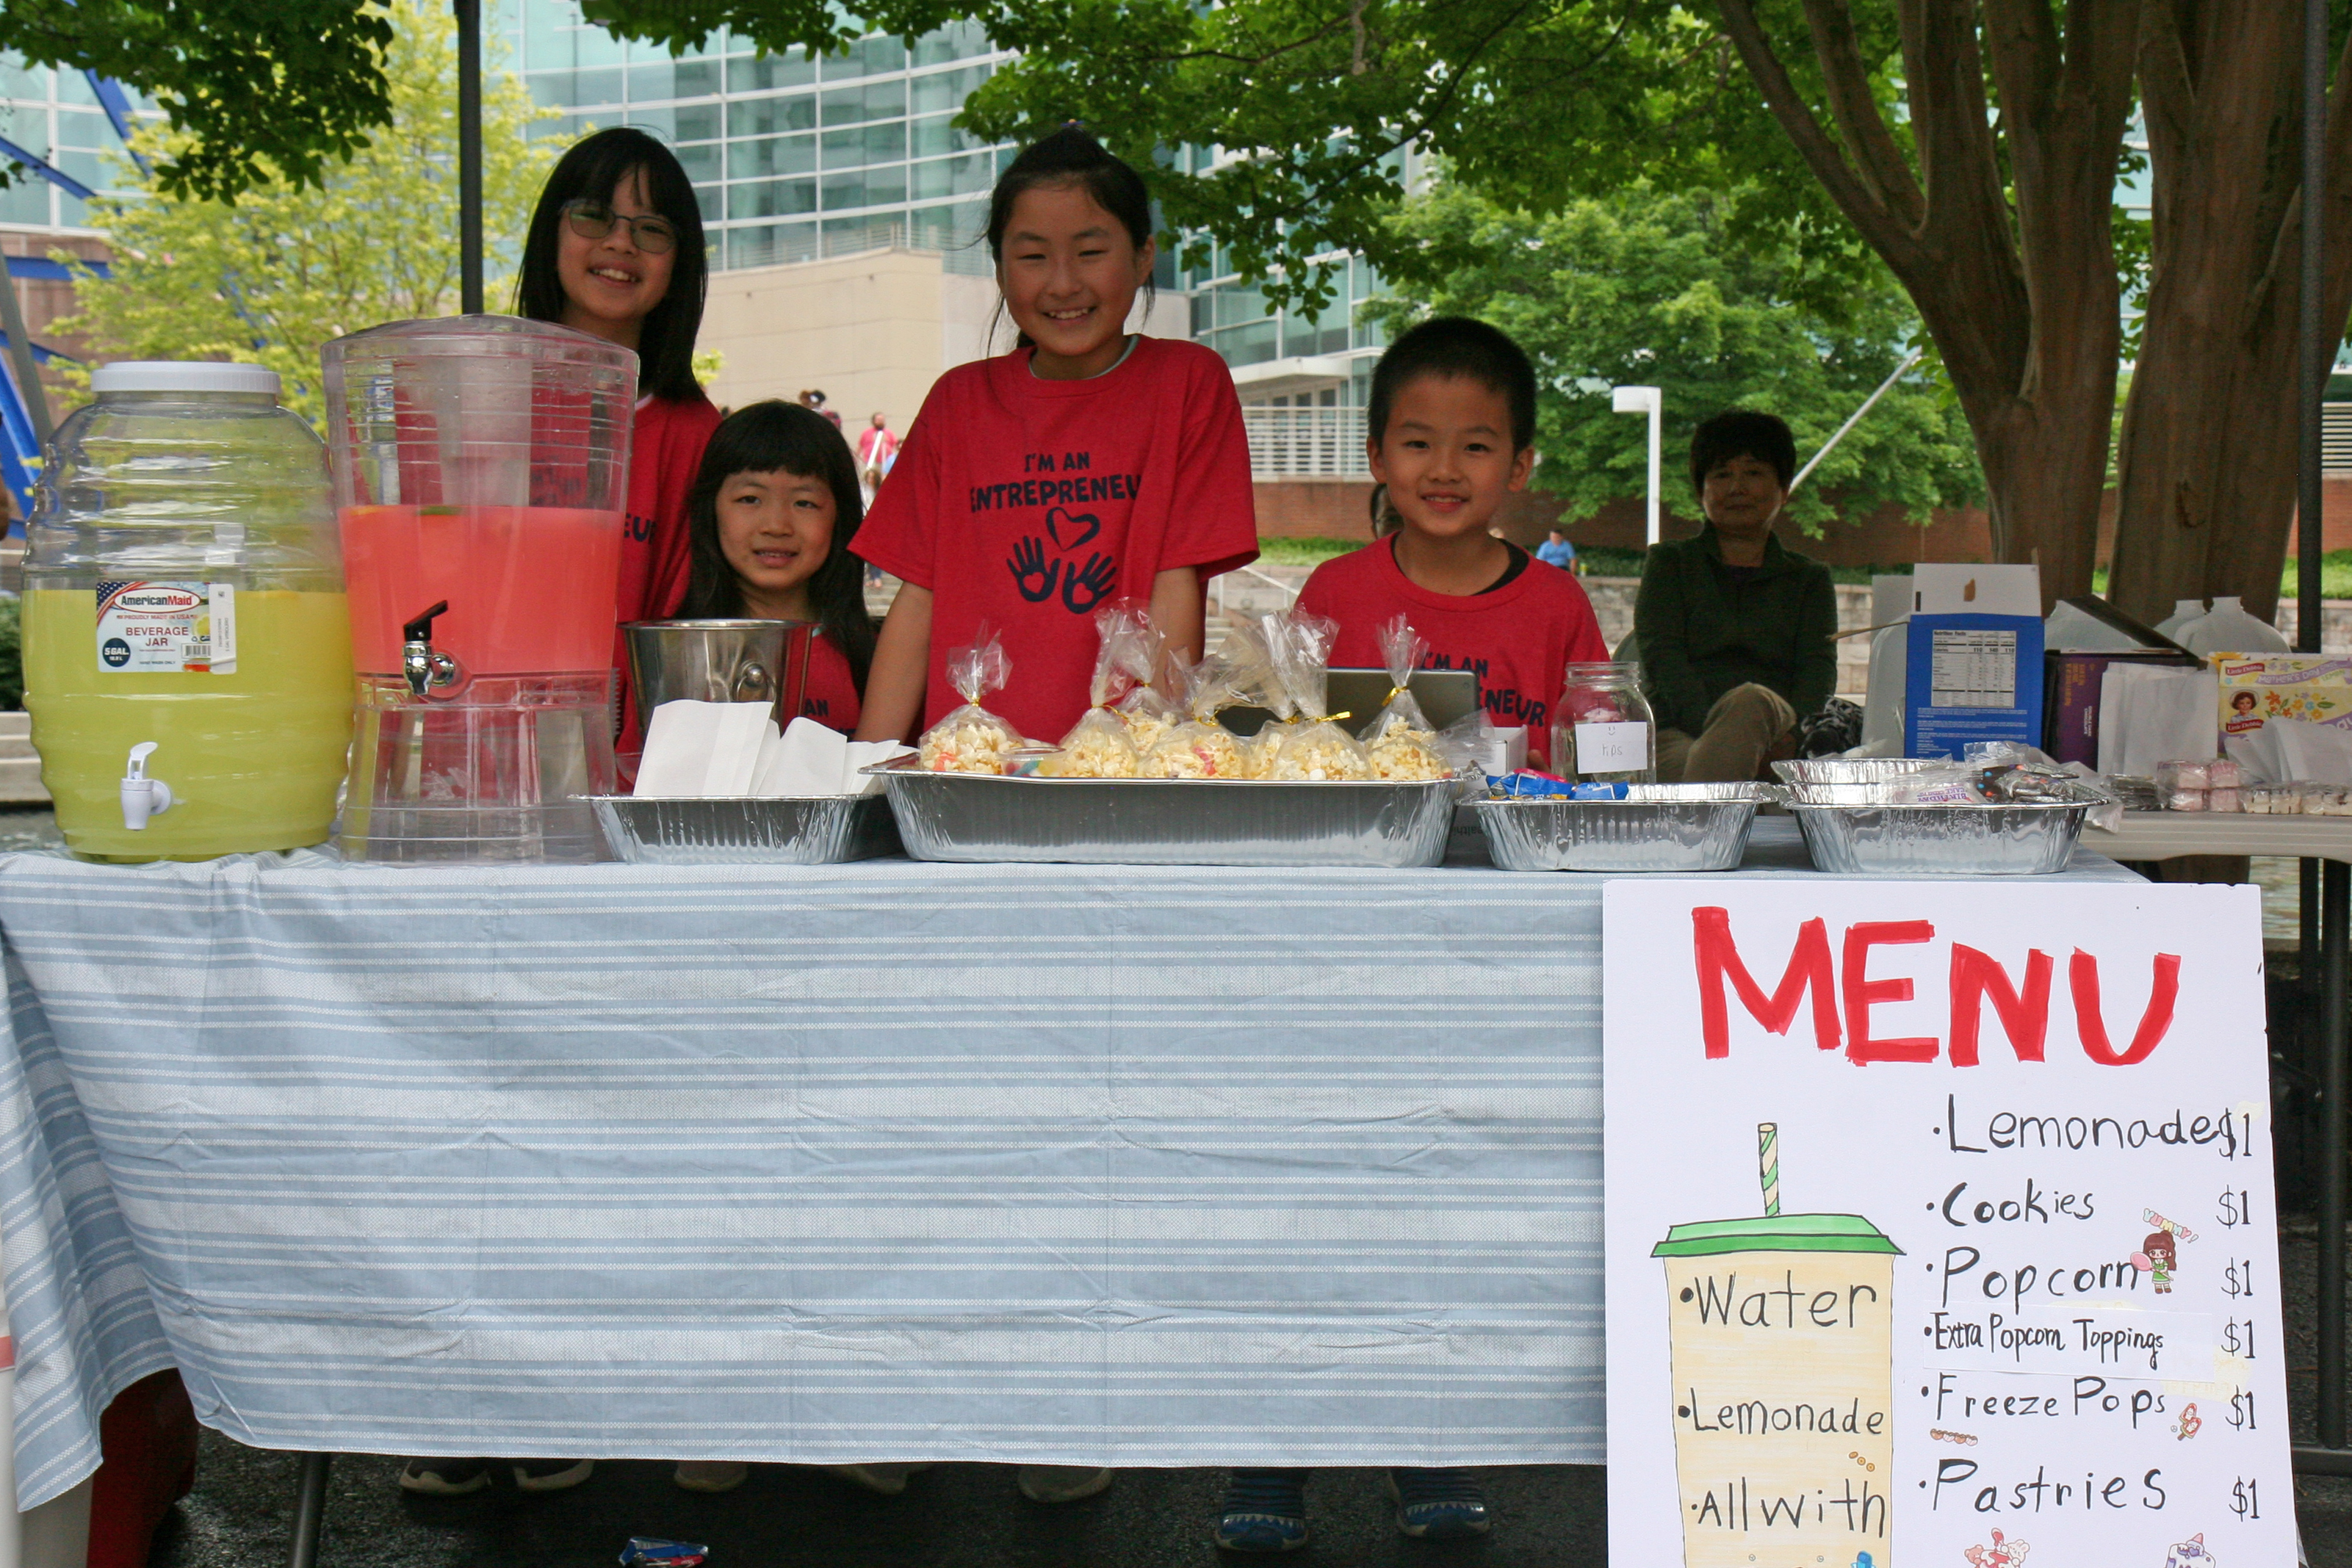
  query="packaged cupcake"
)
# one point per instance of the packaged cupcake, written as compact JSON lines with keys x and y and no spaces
{"x":1401,"y":742}
{"x":971,"y":739}
{"x":1298,"y":645}
{"x":1099,"y":746}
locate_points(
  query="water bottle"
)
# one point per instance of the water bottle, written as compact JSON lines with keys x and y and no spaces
{"x":187,"y":647}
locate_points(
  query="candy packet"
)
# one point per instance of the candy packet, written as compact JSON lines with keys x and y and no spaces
{"x":1099,"y":746}
{"x":970,"y":739}
{"x":1298,"y":646}
{"x":1401,"y":743}
{"x":1201,"y":747}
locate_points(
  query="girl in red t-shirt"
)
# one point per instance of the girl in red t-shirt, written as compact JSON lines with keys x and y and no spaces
{"x":768,"y":523}
{"x":1090,"y":465}
{"x":615,"y":249}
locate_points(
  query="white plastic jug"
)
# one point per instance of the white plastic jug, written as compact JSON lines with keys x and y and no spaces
{"x":2229,"y":629}
{"x":2184,"y":611}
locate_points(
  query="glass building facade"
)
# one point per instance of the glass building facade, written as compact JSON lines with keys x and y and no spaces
{"x":793,"y":158}
{"x":54,"y":115}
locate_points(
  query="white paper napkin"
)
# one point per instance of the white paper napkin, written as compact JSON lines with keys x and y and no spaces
{"x":703,"y":749}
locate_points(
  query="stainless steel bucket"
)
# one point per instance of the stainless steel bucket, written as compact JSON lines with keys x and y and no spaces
{"x":718,"y":660}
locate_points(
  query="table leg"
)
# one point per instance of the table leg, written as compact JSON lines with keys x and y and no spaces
{"x":2335,"y":938}
{"x":309,"y":1510}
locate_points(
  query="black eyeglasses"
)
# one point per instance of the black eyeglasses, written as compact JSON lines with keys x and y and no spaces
{"x":594,"y":220}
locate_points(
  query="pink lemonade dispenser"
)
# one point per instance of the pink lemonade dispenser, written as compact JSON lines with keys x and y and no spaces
{"x":480,"y":467}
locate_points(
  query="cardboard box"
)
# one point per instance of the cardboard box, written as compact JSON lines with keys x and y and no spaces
{"x":2258,"y":687}
{"x":1972,"y":659}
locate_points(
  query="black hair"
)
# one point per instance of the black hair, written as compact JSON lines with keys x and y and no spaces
{"x":1457,"y":346}
{"x":1071,"y":157}
{"x":765,"y":438}
{"x":592,"y":170}
{"x":1742,"y":433}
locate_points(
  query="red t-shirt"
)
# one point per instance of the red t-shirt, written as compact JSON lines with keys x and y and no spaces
{"x":1520,"y":638}
{"x":829,"y":696}
{"x":665,"y":451}
{"x":1028,"y":503}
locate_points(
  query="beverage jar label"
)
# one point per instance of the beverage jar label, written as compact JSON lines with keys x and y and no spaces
{"x":185,"y":628}
{"x":1612,"y":747}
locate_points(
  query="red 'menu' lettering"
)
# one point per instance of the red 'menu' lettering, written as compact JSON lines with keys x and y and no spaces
{"x":2082,"y":978}
{"x":1977,"y":978}
{"x":1808,"y":970}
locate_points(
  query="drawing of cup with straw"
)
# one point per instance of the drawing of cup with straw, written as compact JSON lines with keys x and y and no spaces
{"x":1780,"y":1330}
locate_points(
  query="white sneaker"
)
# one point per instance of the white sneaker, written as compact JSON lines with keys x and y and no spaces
{"x":710,"y":1475}
{"x":887,"y":1481}
{"x":1062,"y":1483}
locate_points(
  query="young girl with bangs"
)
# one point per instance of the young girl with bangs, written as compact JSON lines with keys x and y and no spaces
{"x":768,"y":525}
{"x":1090,"y":465}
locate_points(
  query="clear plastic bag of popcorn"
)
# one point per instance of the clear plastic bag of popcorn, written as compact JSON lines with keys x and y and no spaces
{"x":1148,"y":716}
{"x":1201,"y":747}
{"x":1298,"y":645}
{"x":971,"y":739}
{"x":1400,"y":741}
{"x":1099,"y":746}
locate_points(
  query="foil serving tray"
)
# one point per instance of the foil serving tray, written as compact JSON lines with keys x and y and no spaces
{"x":2024,"y":839}
{"x":736,"y":829}
{"x":1657,"y":827}
{"x":1166,"y":822}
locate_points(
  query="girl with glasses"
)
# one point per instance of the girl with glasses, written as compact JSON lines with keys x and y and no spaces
{"x":615,"y":249}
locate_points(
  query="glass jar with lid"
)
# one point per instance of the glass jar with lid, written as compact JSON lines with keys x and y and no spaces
{"x":1603,"y":732}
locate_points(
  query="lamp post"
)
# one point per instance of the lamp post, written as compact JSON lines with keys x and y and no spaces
{"x":1652,"y":401}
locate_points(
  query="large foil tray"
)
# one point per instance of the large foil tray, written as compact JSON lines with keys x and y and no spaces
{"x":1166,"y":821}
{"x":2027,"y":838}
{"x":1657,"y":827}
{"x":736,"y":829}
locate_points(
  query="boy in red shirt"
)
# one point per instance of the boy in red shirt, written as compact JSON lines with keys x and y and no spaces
{"x":1453,"y":425}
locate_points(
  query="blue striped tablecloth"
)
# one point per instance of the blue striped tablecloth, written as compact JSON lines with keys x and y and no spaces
{"x":889,"y":1161}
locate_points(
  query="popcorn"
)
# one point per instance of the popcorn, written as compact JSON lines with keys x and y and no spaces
{"x":1402,"y":742}
{"x":971,"y":739}
{"x":1405,"y":755}
{"x":1098,"y":745}
{"x":1148,"y":716}
{"x":1097,"y":749}
{"x":1321,"y":751}
{"x":1197,"y":749}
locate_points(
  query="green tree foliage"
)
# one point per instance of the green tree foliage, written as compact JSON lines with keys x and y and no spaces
{"x":1647,"y":287}
{"x":288,"y":266}
{"x":257,"y":89}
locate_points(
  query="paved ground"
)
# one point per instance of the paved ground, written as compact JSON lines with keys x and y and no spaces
{"x":969,"y":1516}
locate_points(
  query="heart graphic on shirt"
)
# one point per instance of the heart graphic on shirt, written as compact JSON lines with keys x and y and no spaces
{"x":1057,"y":519}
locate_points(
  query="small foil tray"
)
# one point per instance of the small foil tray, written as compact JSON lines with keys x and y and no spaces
{"x":1657,"y":827}
{"x":736,"y":829}
{"x":2030,"y":839}
{"x":1166,"y":822}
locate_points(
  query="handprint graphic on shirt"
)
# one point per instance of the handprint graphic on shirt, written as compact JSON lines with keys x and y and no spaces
{"x":1029,"y":566}
{"x":1092,"y":580}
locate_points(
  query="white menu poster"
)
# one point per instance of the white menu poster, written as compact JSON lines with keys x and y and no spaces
{"x":1940,"y":1227}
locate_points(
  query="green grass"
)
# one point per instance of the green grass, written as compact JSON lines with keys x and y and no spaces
{"x":2334,"y":576}
{"x":1305,"y":552}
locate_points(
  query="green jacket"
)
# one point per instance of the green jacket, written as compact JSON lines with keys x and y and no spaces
{"x":1702,"y":633}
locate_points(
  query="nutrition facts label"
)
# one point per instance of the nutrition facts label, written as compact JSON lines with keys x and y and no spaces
{"x":1974,"y":668}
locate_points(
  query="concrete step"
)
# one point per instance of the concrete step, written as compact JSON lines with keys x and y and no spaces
{"x":20,"y":782}
{"x":16,"y":725}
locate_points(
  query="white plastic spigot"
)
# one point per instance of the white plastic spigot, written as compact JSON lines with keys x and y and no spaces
{"x":142,"y":797}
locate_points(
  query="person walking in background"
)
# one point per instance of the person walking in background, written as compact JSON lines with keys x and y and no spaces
{"x":815,"y":399}
{"x":878,"y":449}
{"x":1557,"y":552}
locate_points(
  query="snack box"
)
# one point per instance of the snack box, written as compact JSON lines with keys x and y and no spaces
{"x":2258,"y":687}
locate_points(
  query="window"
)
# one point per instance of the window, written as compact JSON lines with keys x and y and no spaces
{"x":766,"y":116}
{"x":575,"y":87}
{"x":953,"y":176}
{"x":957,"y":40}
{"x":703,"y":164}
{"x":931,"y":137}
{"x":772,"y":198}
{"x":947,"y":89}
{"x":707,"y":198}
{"x":874,"y":100}
{"x":855,"y":148}
{"x":661,"y":122}
{"x":699,"y":122}
{"x":866,"y":188}
{"x":768,"y":72}
{"x":776,"y":155}
{"x":868,"y":56}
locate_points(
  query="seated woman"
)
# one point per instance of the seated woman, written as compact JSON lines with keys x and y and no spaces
{"x":1734,"y":628}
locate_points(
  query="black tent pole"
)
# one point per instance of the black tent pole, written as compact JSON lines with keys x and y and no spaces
{"x":470,"y":156}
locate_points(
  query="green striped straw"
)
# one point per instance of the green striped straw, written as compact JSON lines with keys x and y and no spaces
{"x":1768,"y":1161}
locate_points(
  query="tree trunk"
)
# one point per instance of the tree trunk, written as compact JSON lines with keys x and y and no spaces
{"x":2022,"y":303}
{"x":2206,"y":462}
